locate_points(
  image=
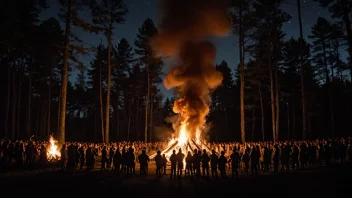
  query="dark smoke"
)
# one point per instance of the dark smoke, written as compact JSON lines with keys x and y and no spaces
{"x":183,"y":31}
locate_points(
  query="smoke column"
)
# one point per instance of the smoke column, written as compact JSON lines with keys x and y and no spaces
{"x":184,"y":28}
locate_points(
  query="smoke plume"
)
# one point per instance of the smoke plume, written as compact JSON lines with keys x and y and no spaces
{"x":184,"y":28}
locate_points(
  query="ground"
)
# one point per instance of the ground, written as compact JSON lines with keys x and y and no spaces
{"x":329,"y":181}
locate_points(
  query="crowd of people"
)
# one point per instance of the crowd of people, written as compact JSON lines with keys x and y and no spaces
{"x":216,"y":160}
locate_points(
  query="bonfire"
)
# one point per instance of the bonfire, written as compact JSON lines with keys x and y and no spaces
{"x":53,"y":152}
{"x":184,"y":32}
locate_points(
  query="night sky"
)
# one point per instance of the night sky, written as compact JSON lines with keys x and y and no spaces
{"x":227,"y":49}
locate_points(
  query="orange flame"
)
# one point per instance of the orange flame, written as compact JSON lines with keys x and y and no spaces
{"x":53,"y":152}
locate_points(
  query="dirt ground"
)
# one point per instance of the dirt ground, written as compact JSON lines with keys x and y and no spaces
{"x":333,"y":181}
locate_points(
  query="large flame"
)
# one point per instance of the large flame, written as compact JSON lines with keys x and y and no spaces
{"x":184,"y":28}
{"x":53,"y":152}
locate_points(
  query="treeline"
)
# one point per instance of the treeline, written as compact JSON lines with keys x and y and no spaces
{"x":281,"y":89}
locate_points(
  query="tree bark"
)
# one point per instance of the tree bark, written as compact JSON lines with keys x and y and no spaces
{"x":6,"y":120}
{"x":241,"y":43}
{"x":101,"y":104}
{"x":29,"y":103}
{"x":277,"y":102}
{"x":147,"y":106}
{"x":272,"y":99}
{"x":49,"y":107}
{"x":261,"y":110}
{"x":253,"y":123}
{"x":19,"y":96}
{"x":64,"y":75}
{"x":151,"y":119}
{"x":14,"y":102}
{"x":108,"y":92}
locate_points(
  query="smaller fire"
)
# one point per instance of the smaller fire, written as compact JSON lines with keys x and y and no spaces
{"x":53,"y":152}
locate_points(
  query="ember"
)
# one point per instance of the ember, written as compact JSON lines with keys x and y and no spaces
{"x":53,"y":152}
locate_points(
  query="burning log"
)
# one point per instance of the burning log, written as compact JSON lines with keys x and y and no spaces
{"x":166,"y":150}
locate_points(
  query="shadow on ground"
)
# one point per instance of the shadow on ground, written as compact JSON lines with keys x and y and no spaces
{"x":323,"y":182}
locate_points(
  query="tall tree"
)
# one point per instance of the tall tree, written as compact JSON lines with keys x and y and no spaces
{"x":341,"y":9}
{"x":268,"y":37}
{"x":242,"y":8}
{"x":68,"y":12}
{"x":321,"y":32}
{"x":95,"y":79}
{"x":151,"y":64}
{"x":106,"y":14}
{"x":303,"y":95}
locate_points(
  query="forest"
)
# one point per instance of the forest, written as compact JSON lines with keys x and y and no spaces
{"x":282,"y":88}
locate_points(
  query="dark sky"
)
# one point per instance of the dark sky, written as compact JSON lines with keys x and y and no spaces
{"x":227,"y":50}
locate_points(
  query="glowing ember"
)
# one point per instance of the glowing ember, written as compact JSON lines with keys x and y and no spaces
{"x":53,"y":152}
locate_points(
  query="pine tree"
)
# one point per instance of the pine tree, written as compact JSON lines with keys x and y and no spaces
{"x":106,"y":14}
{"x":152,"y":65}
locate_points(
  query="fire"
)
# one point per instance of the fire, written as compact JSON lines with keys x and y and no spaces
{"x":183,"y":35}
{"x":182,"y":138}
{"x":53,"y":152}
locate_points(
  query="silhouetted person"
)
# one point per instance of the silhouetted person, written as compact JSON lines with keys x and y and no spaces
{"x":143,"y":159}
{"x":104,"y":158}
{"x":180,"y":157}
{"x":71,"y":158}
{"x":246,"y":159}
{"x":117,"y":160}
{"x":196,"y":162}
{"x":189,"y":165}
{"x":235,"y":158}
{"x":254,"y":160}
{"x":81,"y":157}
{"x":276,"y":158}
{"x":42,"y":156}
{"x":164,"y":164}
{"x":173,"y":160}
{"x":63,"y":157}
{"x":130,"y":161}
{"x":90,"y":158}
{"x":294,"y":157}
{"x":222,"y":164}
{"x":205,"y":163}
{"x":267,"y":158}
{"x":214,"y":164}
{"x":158,"y":163}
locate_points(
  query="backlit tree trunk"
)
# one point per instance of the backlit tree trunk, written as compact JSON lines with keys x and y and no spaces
{"x":64,"y":76}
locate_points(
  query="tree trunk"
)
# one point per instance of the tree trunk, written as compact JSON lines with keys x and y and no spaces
{"x":147,"y":107}
{"x":49,"y":108}
{"x":241,"y":43}
{"x":272,"y":99}
{"x":101,"y":104}
{"x":137,"y":124}
{"x":253,"y":123}
{"x":151,"y":119}
{"x":19,"y":96}
{"x":129,"y":120}
{"x":6,"y":120}
{"x":303,"y":94}
{"x":277,"y":102}
{"x":14,"y":101}
{"x":329,"y":85}
{"x":261,"y":110}
{"x":37,"y":122}
{"x":107,"y":107}
{"x":29,"y":100}
{"x":293,"y":110}
{"x":288,"y":121}
{"x":64,"y":75}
